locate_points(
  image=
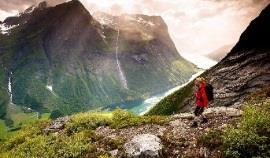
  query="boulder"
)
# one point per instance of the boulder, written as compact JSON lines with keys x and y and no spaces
{"x":228,"y":111}
{"x":57,"y":125}
{"x":144,"y":146}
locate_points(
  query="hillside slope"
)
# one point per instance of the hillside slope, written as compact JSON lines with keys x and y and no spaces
{"x":244,"y":70}
{"x":230,"y":132}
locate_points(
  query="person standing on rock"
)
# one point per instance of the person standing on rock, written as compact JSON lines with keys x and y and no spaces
{"x":201,"y":101}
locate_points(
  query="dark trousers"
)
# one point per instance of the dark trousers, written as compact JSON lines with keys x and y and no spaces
{"x":198,"y":110}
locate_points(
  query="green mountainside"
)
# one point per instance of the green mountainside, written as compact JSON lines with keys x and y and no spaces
{"x":61,"y":58}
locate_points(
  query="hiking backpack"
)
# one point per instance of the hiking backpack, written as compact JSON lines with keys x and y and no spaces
{"x":209,"y":92}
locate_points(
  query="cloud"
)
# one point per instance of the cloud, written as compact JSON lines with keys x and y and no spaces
{"x":20,"y":5}
{"x":4,"y":14}
{"x":196,"y":26}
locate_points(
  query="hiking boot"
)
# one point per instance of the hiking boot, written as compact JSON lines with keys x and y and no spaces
{"x":194,"y":125}
{"x":204,"y":120}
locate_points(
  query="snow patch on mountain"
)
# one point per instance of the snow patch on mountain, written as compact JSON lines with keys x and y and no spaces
{"x":105,"y":20}
{"x":144,"y":22}
{"x":5,"y":29}
{"x":109,"y":20}
{"x":29,"y":10}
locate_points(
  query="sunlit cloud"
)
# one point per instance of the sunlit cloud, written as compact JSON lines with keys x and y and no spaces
{"x":196,"y":26}
{"x":4,"y":14}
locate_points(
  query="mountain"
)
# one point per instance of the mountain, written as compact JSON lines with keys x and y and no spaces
{"x":220,"y":53}
{"x":244,"y":70}
{"x":62,"y":58}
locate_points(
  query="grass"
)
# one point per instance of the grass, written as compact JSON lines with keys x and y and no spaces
{"x":173,"y":103}
{"x":19,"y":119}
{"x":117,"y":119}
{"x":3,"y":130}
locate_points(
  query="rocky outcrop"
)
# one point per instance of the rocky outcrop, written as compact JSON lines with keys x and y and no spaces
{"x":57,"y":125}
{"x":211,"y":112}
{"x":144,"y":146}
{"x":239,"y":75}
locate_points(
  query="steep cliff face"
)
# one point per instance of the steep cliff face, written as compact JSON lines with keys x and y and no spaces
{"x":244,"y":70}
{"x":62,"y":58}
{"x":247,"y":67}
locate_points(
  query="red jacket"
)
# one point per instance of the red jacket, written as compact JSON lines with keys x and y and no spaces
{"x":201,"y":97}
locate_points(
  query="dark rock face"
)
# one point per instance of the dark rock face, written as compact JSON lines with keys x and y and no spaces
{"x":247,"y":67}
{"x":62,"y":58}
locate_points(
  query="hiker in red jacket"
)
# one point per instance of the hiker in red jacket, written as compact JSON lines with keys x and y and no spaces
{"x":201,"y":101}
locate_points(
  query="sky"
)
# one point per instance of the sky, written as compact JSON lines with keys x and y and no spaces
{"x":196,"y":26}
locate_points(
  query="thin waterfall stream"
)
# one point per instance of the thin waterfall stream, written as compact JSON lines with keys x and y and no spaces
{"x":121,"y":73}
{"x":10,"y":88}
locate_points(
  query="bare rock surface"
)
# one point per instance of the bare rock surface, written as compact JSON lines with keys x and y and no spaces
{"x":145,"y":145}
{"x":57,"y":125}
{"x":228,"y":111}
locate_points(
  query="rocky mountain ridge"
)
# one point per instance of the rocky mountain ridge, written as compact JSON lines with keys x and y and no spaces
{"x":246,"y":68}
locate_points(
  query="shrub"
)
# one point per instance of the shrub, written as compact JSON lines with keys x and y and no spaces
{"x":56,"y":114}
{"x":50,"y":146}
{"x":252,"y":138}
{"x":25,"y":133}
{"x":173,"y":103}
{"x":9,"y":122}
{"x":32,"y":142}
{"x":211,"y":140}
{"x":119,"y":118}
{"x":87,"y":121}
{"x":123,"y":118}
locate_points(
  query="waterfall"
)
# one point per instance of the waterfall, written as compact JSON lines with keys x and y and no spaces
{"x":10,"y":88}
{"x":121,"y":73}
{"x":49,"y":87}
